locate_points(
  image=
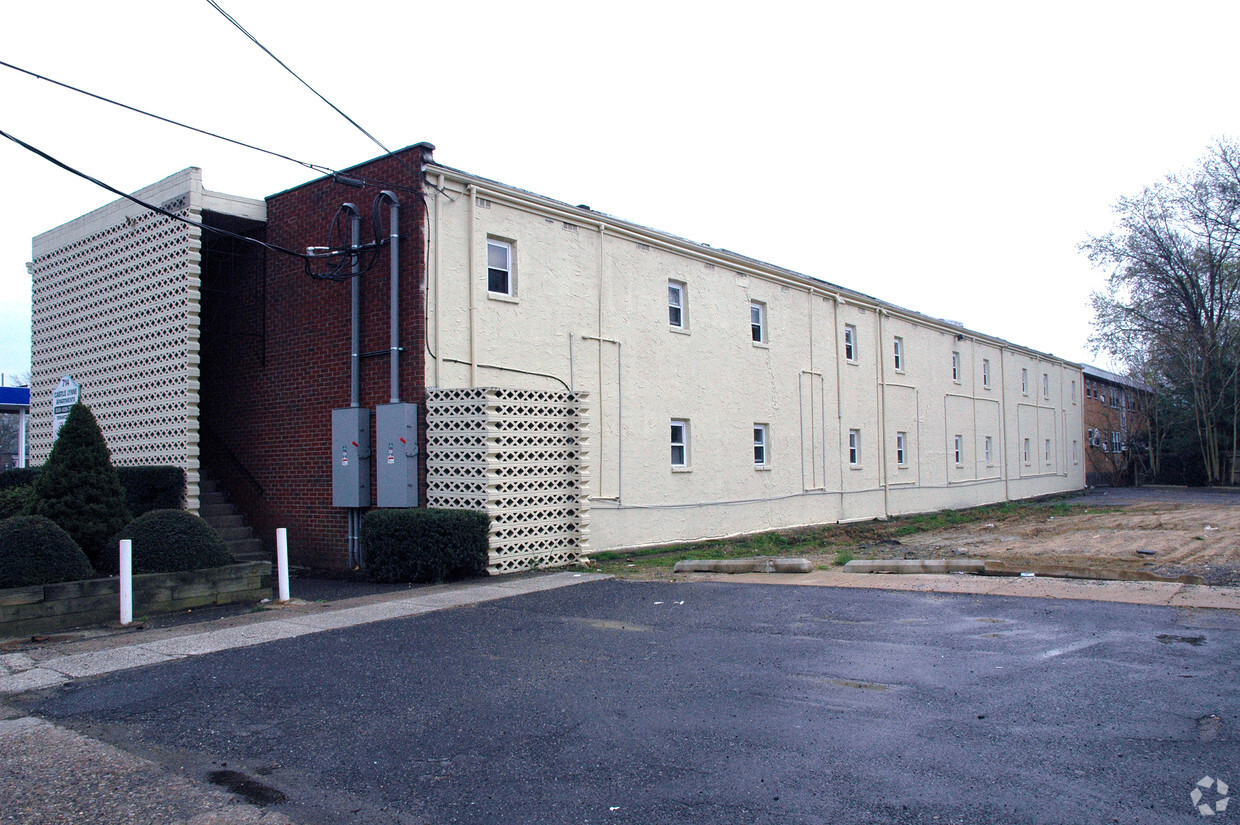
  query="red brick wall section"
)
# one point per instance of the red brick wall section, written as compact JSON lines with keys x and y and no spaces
{"x":274,"y":414}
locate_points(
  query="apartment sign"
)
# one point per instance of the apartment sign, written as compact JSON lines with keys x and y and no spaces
{"x":66,"y":394}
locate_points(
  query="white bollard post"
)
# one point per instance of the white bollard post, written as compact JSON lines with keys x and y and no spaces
{"x":282,"y":561}
{"x":126,"y":581}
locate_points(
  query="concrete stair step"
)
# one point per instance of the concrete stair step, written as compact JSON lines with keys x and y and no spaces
{"x":248,"y":550}
{"x":221,"y":521}
{"x":229,"y":534}
{"x":213,"y":511}
{"x":212,"y":498}
{"x":207,"y":485}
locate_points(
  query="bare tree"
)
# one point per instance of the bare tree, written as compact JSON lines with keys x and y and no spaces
{"x":1171,"y":298}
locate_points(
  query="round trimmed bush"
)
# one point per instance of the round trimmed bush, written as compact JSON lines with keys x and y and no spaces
{"x":167,"y":541}
{"x":34,"y":550}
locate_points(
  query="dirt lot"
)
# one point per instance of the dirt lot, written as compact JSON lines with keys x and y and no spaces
{"x":1167,"y":532}
{"x":1167,"y":538}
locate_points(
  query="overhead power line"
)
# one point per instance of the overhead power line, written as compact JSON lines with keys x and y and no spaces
{"x":334,"y":275}
{"x":242,"y":29}
{"x":316,"y":167}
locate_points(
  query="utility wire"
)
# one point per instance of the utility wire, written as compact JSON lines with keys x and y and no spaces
{"x":316,"y":167}
{"x":334,"y":275}
{"x":242,"y":29}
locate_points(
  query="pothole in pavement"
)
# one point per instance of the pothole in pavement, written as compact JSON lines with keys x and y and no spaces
{"x":249,"y":789}
{"x":1209,"y":727}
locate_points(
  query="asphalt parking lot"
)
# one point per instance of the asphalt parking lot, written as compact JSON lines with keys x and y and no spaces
{"x":706,"y":702}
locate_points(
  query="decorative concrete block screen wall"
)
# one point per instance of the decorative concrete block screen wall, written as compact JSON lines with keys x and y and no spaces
{"x":116,"y":307}
{"x":520,"y":456}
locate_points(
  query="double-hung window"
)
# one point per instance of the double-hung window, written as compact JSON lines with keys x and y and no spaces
{"x":500,"y":279}
{"x":680,"y":443}
{"x":956,"y":367}
{"x":959,"y":450}
{"x":1047,"y":453}
{"x":901,"y":449}
{"x":1024,"y":381}
{"x":898,"y":346}
{"x":757,"y":321}
{"x":759,"y":445}
{"x":850,"y":342}
{"x":854,"y":448}
{"x":1046,"y":385}
{"x":677,"y":311}
{"x":986,"y":372}
{"x":987,"y":447}
{"x":1026,"y":452}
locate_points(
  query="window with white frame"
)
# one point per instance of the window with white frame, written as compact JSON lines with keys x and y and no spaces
{"x":500,"y":280}
{"x":959,"y":450}
{"x":986,"y":446}
{"x":850,"y":342}
{"x":854,"y":448}
{"x":680,"y":442}
{"x":986,"y":372}
{"x":677,"y":310}
{"x":757,"y":321}
{"x":1024,"y":381}
{"x":1047,"y":453}
{"x":1117,"y":442}
{"x":902,"y":449}
{"x":1026,"y":452}
{"x":1046,"y":385}
{"x":898,"y":346}
{"x":956,"y":367}
{"x":759,"y":445}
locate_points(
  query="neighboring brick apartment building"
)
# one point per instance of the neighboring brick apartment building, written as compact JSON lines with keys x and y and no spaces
{"x":589,"y":382}
{"x":1116,"y":428}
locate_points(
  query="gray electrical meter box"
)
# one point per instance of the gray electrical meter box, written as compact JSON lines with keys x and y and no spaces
{"x":351,"y":457}
{"x":396,"y":442}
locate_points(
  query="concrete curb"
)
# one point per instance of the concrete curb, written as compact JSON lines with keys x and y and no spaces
{"x":743,"y":566}
{"x":909,"y":566}
{"x":20,"y":672}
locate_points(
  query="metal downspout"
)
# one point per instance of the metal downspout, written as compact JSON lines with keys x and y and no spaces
{"x":394,"y":294}
{"x":473,"y":219}
{"x":355,"y":299}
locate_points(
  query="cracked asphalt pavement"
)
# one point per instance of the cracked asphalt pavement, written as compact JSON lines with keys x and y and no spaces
{"x":713,"y":702}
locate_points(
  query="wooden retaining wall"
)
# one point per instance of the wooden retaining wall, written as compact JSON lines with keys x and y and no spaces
{"x":45,"y":608}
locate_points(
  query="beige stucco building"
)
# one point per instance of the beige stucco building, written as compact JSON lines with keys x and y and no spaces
{"x":727,"y":395}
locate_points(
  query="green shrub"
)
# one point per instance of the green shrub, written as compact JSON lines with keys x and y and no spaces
{"x":18,"y":477}
{"x":424,"y":545}
{"x":146,"y":488}
{"x":78,"y":487}
{"x":17,"y":501}
{"x":166,"y":541}
{"x":33,"y":550}
{"x":152,"y":488}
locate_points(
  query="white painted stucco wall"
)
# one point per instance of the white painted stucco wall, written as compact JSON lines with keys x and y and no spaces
{"x":581,"y":276}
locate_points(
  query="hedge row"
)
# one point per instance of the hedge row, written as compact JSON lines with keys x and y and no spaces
{"x":146,"y":488}
{"x":424,"y":545}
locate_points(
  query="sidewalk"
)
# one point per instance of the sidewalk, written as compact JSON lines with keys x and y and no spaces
{"x":1168,"y":594}
{"x":50,"y":665}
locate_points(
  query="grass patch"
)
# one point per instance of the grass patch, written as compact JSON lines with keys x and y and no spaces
{"x":840,"y":540}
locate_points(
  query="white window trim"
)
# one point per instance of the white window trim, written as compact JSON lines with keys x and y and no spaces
{"x":955,"y":366}
{"x":1046,"y":386}
{"x":988,"y":445}
{"x":958,"y":450}
{"x":683,"y":444}
{"x":1024,"y":381}
{"x":682,"y":290}
{"x":901,"y":449}
{"x":1047,"y":453}
{"x":763,"y":335}
{"x":986,"y":373}
{"x":764,"y":444}
{"x":510,"y":272}
{"x":854,"y":449}
{"x":1026,"y":452}
{"x":850,"y":343}
{"x":898,"y":348}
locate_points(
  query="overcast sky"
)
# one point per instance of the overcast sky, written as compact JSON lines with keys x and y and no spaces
{"x":946,"y":157}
